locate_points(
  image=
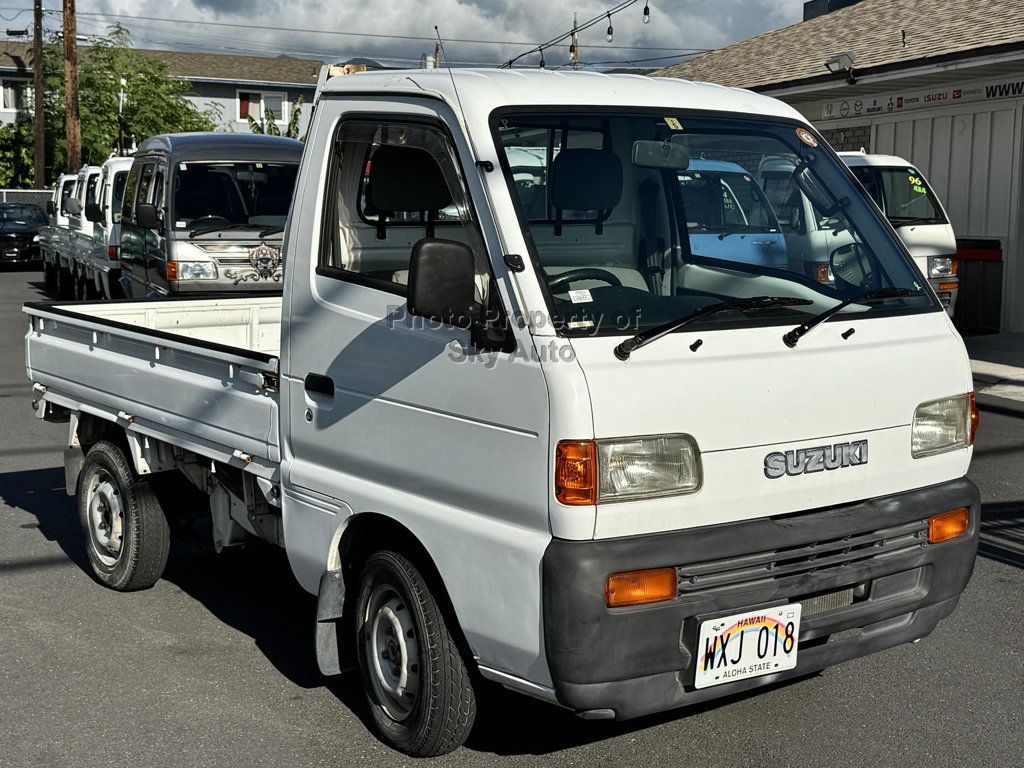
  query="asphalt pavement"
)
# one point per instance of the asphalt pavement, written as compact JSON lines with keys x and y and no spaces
{"x":214,"y":666}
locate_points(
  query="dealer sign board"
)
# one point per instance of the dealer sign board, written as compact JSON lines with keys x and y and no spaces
{"x":901,"y":102}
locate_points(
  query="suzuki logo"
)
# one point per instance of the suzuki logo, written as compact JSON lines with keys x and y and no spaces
{"x":807,"y":460}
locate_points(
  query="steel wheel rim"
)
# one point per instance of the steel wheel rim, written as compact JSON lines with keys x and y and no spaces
{"x":390,"y":646}
{"x":105,"y":517}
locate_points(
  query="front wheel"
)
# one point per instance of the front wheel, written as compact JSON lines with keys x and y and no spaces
{"x":419,"y":690}
{"x":126,"y":533}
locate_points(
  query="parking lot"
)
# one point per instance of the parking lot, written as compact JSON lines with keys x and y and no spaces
{"x":215,"y":665}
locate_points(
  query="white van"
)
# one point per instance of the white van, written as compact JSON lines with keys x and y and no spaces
{"x":910,"y":204}
{"x":542,"y":439}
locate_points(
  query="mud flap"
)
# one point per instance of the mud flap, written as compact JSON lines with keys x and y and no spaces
{"x":330,"y":606}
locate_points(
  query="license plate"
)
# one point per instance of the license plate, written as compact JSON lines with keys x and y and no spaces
{"x":747,"y":644}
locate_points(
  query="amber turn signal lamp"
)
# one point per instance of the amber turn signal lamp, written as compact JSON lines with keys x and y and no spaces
{"x":639,"y":587}
{"x":948,"y":286}
{"x":975,"y":419}
{"x":112,"y":252}
{"x":576,"y":472}
{"x":948,"y":525}
{"x":172,"y":271}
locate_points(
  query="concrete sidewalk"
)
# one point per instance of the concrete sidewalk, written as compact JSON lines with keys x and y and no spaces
{"x":997,"y":361}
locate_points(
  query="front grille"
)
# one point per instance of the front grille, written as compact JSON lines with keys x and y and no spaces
{"x":827,"y":557}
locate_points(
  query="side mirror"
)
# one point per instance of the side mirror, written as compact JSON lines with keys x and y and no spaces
{"x":73,"y":206}
{"x":147,"y":217}
{"x":442,"y":282}
{"x":51,"y":209}
{"x":94,"y":213}
{"x":854,"y":268}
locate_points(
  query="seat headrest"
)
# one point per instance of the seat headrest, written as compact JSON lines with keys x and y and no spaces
{"x":585,"y":180}
{"x":407,"y":179}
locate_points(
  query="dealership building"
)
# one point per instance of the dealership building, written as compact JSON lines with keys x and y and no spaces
{"x":938,"y":82}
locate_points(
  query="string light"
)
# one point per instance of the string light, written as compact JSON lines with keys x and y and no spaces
{"x":647,"y":13}
{"x":542,"y":58}
{"x":611,"y":32}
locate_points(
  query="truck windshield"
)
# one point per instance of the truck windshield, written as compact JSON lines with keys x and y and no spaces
{"x":901,"y":193}
{"x":639,"y":219}
{"x":216,"y":195}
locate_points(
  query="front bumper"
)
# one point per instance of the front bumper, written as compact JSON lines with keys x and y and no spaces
{"x":628,"y":662}
{"x":946,"y":288}
{"x":19,"y":254}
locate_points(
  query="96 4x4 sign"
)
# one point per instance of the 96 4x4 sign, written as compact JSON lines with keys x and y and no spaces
{"x":747,"y":644}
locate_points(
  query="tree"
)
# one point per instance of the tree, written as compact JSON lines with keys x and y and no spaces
{"x":154,"y":101}
{"x":16,"y":153}
{"x":268,"y":125}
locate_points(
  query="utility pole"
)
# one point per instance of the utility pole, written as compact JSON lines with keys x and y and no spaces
{"x":574,"y":48}
{"x":74,"y":122}
{"x":437,"y":55}
{"x":38,"y":119}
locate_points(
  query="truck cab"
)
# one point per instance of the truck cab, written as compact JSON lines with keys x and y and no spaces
{"x":508,"y":422}
{"x":56,"y":240}
{"x":204,"y":213}
{"x":903,"y":194}
{"x":102,"y":255}
{"x":80,"y":232}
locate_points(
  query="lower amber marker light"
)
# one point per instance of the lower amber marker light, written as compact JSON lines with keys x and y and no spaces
{"x":639,"y":587}
{"x":948,"y":525}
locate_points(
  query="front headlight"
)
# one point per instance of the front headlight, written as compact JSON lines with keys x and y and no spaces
{"x":196,"y":270}
{"x":943,"y":425}
{"x":940,"y":266}
{"x":642,"y":467}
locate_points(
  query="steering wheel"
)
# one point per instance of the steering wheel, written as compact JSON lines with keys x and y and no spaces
{"x":209,"y":217}
{"x":583,"y":273}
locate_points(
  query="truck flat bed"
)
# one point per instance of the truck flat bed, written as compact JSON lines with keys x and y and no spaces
{"x":200,"y":374}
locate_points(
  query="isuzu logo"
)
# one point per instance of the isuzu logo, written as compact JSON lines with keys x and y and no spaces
{"x":807,"y":460}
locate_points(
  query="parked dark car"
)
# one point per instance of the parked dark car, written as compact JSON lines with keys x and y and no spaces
{"x":20,"y":224}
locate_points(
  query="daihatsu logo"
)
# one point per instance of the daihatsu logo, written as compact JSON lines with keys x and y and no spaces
{"x":807,"y":460}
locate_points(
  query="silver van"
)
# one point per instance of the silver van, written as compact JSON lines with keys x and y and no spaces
{"x":204,"y":213}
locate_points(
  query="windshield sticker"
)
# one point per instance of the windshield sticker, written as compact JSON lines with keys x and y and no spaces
{"x":181,"y":224}
{"x":575,"y":325}
{"x":581,"y":296}
{"x":806,"y":137}
{"x":673,"y":123}
{"x":182,"y":167}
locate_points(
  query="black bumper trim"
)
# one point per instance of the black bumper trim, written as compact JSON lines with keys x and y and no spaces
{"x":639,"y":660}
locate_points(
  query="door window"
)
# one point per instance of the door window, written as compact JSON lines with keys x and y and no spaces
{"x":131,"y":185}
{"x":364,"y":244}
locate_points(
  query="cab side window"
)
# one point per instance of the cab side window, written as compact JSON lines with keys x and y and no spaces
{"x":131,"y":185}
{"x":393,"y":183}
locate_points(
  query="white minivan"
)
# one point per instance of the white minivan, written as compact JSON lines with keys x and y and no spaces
{"x":910,"y":204}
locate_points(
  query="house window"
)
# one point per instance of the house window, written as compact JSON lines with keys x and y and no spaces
{"x":14,"y":95}
{"x":256,"y":104}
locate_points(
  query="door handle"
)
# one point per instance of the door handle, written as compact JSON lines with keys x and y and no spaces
{"x":317,"y":383}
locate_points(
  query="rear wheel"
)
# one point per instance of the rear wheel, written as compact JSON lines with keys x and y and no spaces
{"x":416,"y":682}
{"x":49,"y":277}
{"x":126,"y":533}
{"x":65,"y":283}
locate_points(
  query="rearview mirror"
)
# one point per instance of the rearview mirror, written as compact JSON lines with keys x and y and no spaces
{"x":661,"y":154}
{"x":442,"y":282}
{"x":94,"y":213}
{"x":146,"y":216}
{"x":72,"y":206}
{"x":854,"y":268}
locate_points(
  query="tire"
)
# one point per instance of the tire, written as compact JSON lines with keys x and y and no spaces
{"x":403,"y":643}
{"x":49,"y":278}
{"x":126,"y":533}
{"x":65,"y":283}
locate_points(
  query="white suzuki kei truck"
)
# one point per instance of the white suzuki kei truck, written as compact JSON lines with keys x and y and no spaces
{"x":564,"y":451}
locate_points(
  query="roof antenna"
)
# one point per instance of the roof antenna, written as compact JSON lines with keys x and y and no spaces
{"x":486,"y":165}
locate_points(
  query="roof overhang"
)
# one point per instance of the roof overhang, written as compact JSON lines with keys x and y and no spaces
{"x":252,"y":83}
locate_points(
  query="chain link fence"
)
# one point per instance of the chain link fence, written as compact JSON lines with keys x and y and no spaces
{"x":36,"y":196}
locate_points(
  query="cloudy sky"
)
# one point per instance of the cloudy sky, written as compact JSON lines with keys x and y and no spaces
{"x":198,"y":25}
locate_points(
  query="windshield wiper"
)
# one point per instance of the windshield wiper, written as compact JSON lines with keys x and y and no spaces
{"x":642,"y":339}
{"x":271,"y":231}
{"x":219,"y":228}
{"x":898,"y":222}
{"x":793,"y":336}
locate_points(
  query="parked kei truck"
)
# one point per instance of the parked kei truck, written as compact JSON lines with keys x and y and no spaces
{"x":559,"y":448}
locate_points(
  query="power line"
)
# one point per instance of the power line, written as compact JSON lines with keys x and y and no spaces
{"x":371,"y":35}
